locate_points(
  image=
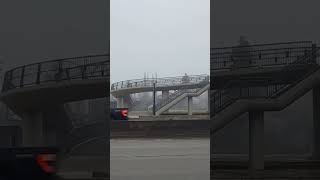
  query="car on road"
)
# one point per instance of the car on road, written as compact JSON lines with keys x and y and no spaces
{"x":119,"y":114}
{"x":28,"y":163}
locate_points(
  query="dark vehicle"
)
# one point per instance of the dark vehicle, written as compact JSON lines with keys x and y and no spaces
{"x":119,"y":114}
{"x":27,"y":163}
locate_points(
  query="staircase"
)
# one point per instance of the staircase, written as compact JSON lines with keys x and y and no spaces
{"x":179,"y":95}
{"x":268,"y":93}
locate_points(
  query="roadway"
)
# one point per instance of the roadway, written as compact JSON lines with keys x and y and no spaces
{"x":158,"y":159}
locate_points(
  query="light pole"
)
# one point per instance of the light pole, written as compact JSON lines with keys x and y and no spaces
{"x":154,"y":98}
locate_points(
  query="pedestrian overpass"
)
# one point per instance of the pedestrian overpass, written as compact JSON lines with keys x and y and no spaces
{"x":37,"y":93}
{"x":269,"y":77}
{"x":183,"y":87}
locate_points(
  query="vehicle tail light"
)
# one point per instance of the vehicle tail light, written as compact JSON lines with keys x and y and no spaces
{"x":47,"y":162}
{"x":124,"y":113}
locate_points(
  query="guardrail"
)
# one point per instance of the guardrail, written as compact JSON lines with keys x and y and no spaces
{"x":77,"y":68}
{"x":160,"y":82}
{"x":261,"y":55}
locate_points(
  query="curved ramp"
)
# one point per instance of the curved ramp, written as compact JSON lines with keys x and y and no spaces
{"x":41,"y":85}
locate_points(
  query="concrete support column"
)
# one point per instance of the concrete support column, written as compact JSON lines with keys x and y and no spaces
{"x":190,"y":103}
{"x":256,"y":140}
{"x":209,"y":100}
{"x":32,"y":129}
{"x":165,"y":94}
{"x":316,"y":123}
{"x":120,"y":102}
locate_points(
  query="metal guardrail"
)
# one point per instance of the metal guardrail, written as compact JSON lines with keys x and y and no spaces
{"x":261,"y":55}
{"x":77,"y":68}
{"x":223,"y":97}
{"x":160,"y":82}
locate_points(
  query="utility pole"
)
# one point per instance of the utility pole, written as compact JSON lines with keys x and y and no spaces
{"x":154,"y":98}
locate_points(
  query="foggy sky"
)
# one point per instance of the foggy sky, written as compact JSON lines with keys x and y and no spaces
{"x":37,"y":30}
{"x":264,"y":21}
{"x":170,"y":37}
{"x":268,"y":21}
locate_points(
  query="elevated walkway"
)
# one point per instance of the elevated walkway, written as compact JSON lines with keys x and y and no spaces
{"x":251,"y":87}
{"x":37,"y":93}
{"x":261,"y":61}
{"x":276,"y":103}
{"x":177,"y":97}
{"x":123,"y":88}
{"x":41,"y":85}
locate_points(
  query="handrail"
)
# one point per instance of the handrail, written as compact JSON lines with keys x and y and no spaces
{"x":224,"y":59}
{"x":268,"y":44}
{"x":178,"y":93}
{"x":85,"y":67}
{"x":225,"y":96}
{"x":160,"y":82}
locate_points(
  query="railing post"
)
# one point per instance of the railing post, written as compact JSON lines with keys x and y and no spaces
{"x":38,"y":73}
{"x":154,"y":98}
{"x":22,"y":76}
{"x":314,"y":53}
{"x":102,"y":71}
{"x":68,"y":73}
{"x":11,"y":77}
{"x":5,"y":82}
{"x":220,"y":101}
{"x":83,"y":72}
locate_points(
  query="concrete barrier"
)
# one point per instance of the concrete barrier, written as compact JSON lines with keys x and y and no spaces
{"x":160,"y":129}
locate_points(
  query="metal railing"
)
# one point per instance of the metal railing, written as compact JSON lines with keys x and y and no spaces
{"x":261,"y":55}
{"x":77,"y":68}
{"x":160,"y":82}
{"x":223,"y":97}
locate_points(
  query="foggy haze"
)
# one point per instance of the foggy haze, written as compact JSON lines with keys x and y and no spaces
{"x":264,"y":21}
{"x":170,"y":37}
{"x":269,"y":21}
{"x":36,"y":30}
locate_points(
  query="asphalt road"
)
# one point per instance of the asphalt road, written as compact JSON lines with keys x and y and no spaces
{"x":158,"y":159}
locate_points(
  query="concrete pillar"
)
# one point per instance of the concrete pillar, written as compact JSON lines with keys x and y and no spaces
{"x":316,"y":123}
{"x":120,"y":102}
{"x":256,"y":140}
{"x":86,"y":104}
{"x":209,"y":99}
{"x":123,"y":102}
{"x":165,"y":94}
{"x":32,"y":129}
{"x":190,"y":103}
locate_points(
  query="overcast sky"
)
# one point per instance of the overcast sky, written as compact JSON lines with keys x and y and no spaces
{"x":268,"y":21}
{"x":264,"y":21}
{"x":165,"y":36}
{"x":37,"y":30}
{"x":170,"y":37}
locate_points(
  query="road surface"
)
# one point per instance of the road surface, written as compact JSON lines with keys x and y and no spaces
{"x":158,"y":159}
